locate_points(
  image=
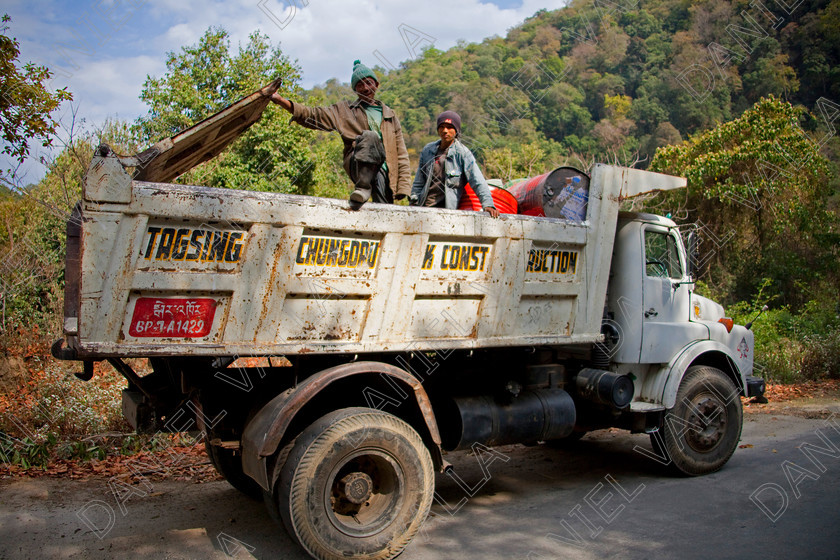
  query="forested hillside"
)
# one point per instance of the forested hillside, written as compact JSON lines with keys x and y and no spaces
{"x":607,"y":80}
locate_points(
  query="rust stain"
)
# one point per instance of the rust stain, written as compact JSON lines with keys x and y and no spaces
{"x":311,"y":386}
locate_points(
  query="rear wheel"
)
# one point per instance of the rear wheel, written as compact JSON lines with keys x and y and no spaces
{"x":358,"y":483}
{"x":229,"y":464}
{"x":701,"y":432}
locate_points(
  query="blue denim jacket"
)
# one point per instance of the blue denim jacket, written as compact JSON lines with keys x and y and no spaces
{"x":459,"y":168}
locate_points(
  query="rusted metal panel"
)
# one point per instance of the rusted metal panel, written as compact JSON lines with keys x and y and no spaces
{"x":293,"y":275}
{"x":106,"y":179}
{"x":72,"y":273}
{"x":174,"y":156}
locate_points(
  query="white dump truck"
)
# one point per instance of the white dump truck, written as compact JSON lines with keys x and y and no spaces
{"x":332,"y":357}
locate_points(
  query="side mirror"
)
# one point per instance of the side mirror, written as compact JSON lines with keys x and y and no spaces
{"x":693,"y":243}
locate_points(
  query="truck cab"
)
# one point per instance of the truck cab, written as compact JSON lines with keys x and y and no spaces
{"x":660,"y":326}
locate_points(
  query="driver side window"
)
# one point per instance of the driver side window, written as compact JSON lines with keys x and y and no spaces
{"x":662,"y":259}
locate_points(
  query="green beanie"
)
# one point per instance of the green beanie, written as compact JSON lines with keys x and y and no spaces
{"x":360,"y":72}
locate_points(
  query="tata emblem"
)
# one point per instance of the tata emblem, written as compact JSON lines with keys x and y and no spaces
{"x":743,"y":349}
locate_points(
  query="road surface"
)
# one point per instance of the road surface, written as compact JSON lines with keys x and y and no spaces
{"x":605,"y":497}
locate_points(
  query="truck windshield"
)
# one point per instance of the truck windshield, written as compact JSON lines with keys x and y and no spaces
{"x":662,"y":259}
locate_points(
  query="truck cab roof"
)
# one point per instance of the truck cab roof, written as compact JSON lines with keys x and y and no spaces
{"x":646,"y":218}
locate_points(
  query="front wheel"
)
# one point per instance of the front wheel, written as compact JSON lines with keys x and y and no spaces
{"x":701,"y":432}
{"x":358,"y":483}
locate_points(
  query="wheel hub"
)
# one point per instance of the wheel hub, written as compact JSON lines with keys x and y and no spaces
{"x":708,"y":424}
{"x":356,"y":487}
{"x":364,"y":495}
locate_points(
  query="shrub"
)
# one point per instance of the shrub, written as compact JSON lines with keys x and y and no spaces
{"x":821,"y":356}
{"x":793,"y":346}
{"x":52,"y":413}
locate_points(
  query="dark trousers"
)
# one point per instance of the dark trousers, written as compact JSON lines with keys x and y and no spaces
{"x":366,"y":165}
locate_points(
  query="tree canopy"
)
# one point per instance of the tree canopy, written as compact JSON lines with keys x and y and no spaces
{"x":757,"y":186}
{"x":26,"y":104}
{"x":201,"y":79}
{"x":613,"y":81}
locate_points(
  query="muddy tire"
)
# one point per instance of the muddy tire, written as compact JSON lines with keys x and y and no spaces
{"x":229,"y":465}
{"x":358,"y":483}
{"x":701,"y":432}
{"x":270,"y":496}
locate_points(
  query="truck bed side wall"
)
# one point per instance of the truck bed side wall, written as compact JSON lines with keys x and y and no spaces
{"x":184,"y":270}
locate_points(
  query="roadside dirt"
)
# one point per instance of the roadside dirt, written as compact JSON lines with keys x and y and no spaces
{"x":806,"y":400}
{"x":190,"y":464}
{"x":179,"y":463}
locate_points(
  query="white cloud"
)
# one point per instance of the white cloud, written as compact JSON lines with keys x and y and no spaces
{"x":111,"y":88}
{"x":180,"y":34}
{"x":325,"y":36}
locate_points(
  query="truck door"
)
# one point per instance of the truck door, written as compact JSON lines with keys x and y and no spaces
{"x":665,"y":294}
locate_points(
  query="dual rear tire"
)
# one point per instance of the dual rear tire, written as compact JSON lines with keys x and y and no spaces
{"x":356,"y":483}
{"x":228,"y":463}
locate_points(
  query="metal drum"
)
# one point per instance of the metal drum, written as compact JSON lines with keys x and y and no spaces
{"x":504,"y":202}
{"x":562,"y":193}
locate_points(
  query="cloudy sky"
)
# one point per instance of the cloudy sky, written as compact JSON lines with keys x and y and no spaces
{"x":103,"y":50}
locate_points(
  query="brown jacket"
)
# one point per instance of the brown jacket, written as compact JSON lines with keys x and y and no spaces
{"x":349,"y":119}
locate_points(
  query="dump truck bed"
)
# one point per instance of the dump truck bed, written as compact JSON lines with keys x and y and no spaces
{"x":171,"y":270}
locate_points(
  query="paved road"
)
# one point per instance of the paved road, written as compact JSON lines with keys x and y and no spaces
{"x":533,"y":503}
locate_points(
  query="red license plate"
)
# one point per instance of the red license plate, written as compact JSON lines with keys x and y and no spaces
{"x":172,"y":317}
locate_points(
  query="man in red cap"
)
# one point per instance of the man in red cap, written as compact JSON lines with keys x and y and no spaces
{"x":375,"y":157}
{"x":446,"y":166}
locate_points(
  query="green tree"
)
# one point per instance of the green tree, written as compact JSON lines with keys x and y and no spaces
{"x":524,"y":160}
{"x":273,"y":155}
{"x":664,"y":135}
{"x":758,"y":186}
{"x":32,"y":234}
{"x":25,"y":103}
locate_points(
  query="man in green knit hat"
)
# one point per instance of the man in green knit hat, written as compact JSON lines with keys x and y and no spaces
{"x":375,"y":157}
